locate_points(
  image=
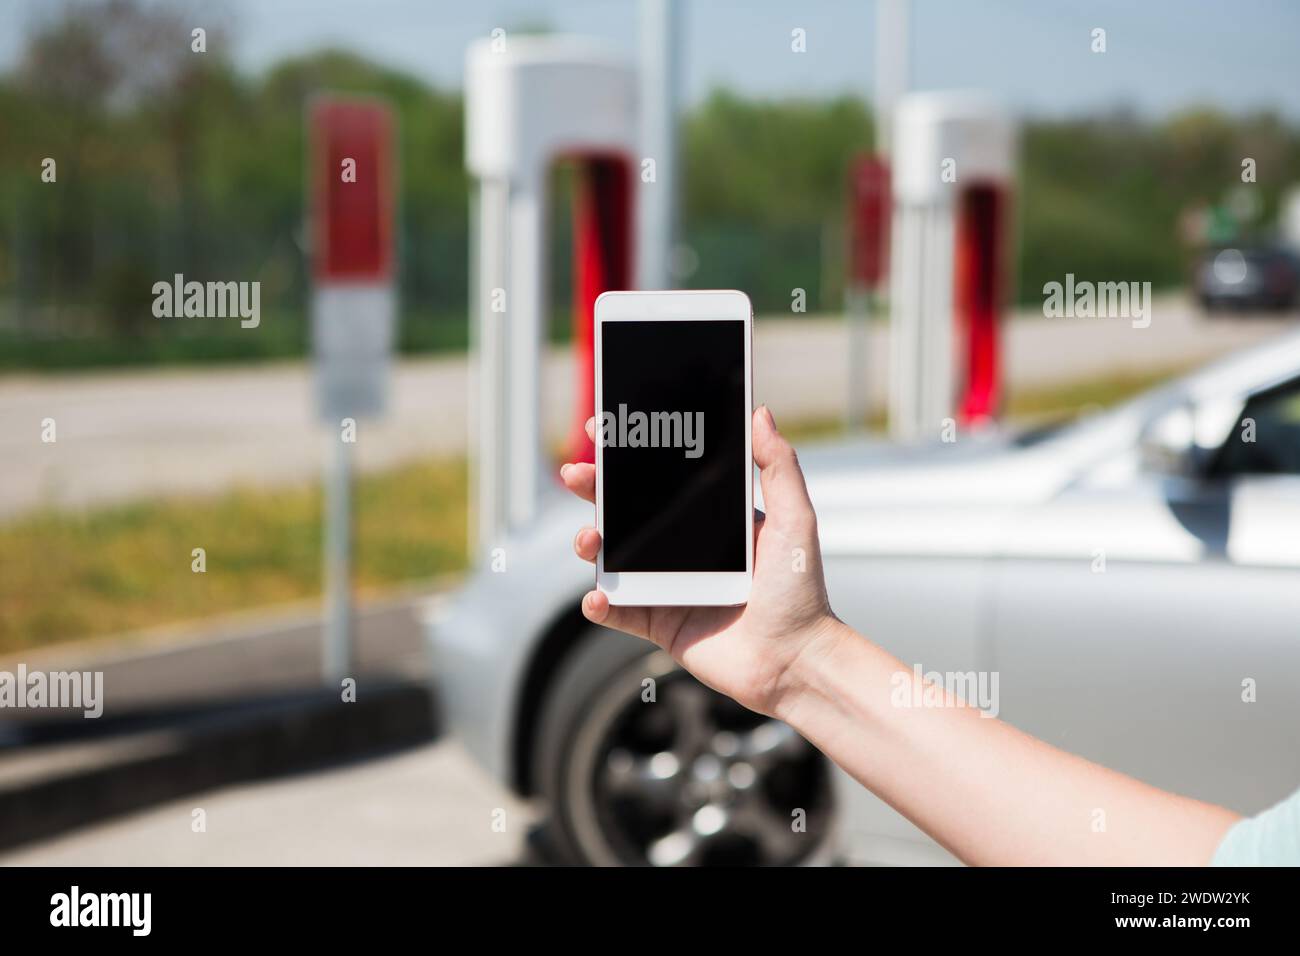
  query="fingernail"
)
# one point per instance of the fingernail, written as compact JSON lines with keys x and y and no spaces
{"x":564,"y":469}
{"x":767,"y":413}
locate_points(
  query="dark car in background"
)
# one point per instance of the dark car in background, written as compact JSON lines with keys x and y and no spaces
{"x":1248,"y":277}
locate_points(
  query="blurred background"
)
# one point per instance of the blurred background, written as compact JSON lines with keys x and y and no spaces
{"x":177,"y":435}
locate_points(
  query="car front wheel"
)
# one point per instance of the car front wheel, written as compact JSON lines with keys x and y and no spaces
{"x":643,"y":765}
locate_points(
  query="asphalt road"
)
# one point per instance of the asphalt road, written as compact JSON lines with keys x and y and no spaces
{"x":122,"y":435}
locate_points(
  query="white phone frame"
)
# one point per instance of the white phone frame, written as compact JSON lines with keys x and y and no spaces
{"x":676,"y":588}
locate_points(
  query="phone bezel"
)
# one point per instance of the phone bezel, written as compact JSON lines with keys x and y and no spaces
{"x":676,"y":588}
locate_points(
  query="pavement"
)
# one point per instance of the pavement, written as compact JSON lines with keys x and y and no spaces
{"x":427,"y":806}
{"x":230,"y":718}
{"x":127,"y":434}
{"x":198,"y":710}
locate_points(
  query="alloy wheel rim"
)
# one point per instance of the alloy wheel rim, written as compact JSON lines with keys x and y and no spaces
{"x":692,"y":778}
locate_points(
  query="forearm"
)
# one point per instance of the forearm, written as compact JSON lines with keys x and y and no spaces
{"x":989,"y":793}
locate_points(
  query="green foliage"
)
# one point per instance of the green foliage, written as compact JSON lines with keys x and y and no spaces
{"x":173,"y":162}
{"x":770,"y":164}
{"x":1104,"y":198}
{"x":177,"y":163}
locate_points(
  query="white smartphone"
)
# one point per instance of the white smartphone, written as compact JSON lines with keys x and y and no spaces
{"x":674,"y":462}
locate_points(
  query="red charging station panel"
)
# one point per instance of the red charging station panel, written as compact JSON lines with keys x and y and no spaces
{"x":353,"y":220}
{"x":602,"y":261}
{"x":869,"y":221}
{"x":977,"y":298}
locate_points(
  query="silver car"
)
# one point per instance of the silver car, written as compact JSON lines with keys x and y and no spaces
{"x":1129,"y":585}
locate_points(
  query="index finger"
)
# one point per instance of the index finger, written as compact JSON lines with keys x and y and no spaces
{"x":580,"y":478}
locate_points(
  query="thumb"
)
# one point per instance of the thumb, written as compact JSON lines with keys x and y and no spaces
{"x":785,"y":496}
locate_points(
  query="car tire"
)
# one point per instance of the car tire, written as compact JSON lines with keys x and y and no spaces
{"x":640,"y":764}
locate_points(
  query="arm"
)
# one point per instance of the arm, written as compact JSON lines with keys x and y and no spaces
{"x":981,"y":788}
{"x":987,"y":792}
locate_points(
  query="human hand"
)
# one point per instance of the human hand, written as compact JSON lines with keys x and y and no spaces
{"x":744,"y":652}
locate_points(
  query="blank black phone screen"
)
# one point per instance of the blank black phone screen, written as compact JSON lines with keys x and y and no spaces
{"x":674,"y":414}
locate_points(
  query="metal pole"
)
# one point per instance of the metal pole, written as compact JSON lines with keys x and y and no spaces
{"x":892,"y":54}
{"x":526,"y":289}
{"x":489,"y":413}
{"x":336,"y":647}
{"x":656,"y":212}
{"x":892,"y":75}
{"x":858,"y":303}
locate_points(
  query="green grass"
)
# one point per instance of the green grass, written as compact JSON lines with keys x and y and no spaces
{"x":67,"y":575}
{"x":122,"y":568}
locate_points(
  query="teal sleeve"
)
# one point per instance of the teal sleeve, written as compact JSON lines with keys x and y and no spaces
{"x":1271,"y":838}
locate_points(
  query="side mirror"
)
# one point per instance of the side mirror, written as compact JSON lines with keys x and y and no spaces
{"x":1183,"y":440}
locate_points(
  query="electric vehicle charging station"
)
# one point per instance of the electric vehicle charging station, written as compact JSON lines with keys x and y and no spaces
{"x":530,"y":102}
{"x":953,"y":169}
{"x":354,"y":301}
{"x":353,"y":318}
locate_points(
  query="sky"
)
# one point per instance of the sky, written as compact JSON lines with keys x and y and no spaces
{"x":1161,"y":56}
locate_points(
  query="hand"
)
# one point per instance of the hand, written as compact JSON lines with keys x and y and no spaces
{"x":745,"y":652}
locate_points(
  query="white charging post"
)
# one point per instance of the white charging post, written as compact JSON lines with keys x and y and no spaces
{"x":529,"y":101}
{"x":952,"y":179}
{"x":353,"y":321}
